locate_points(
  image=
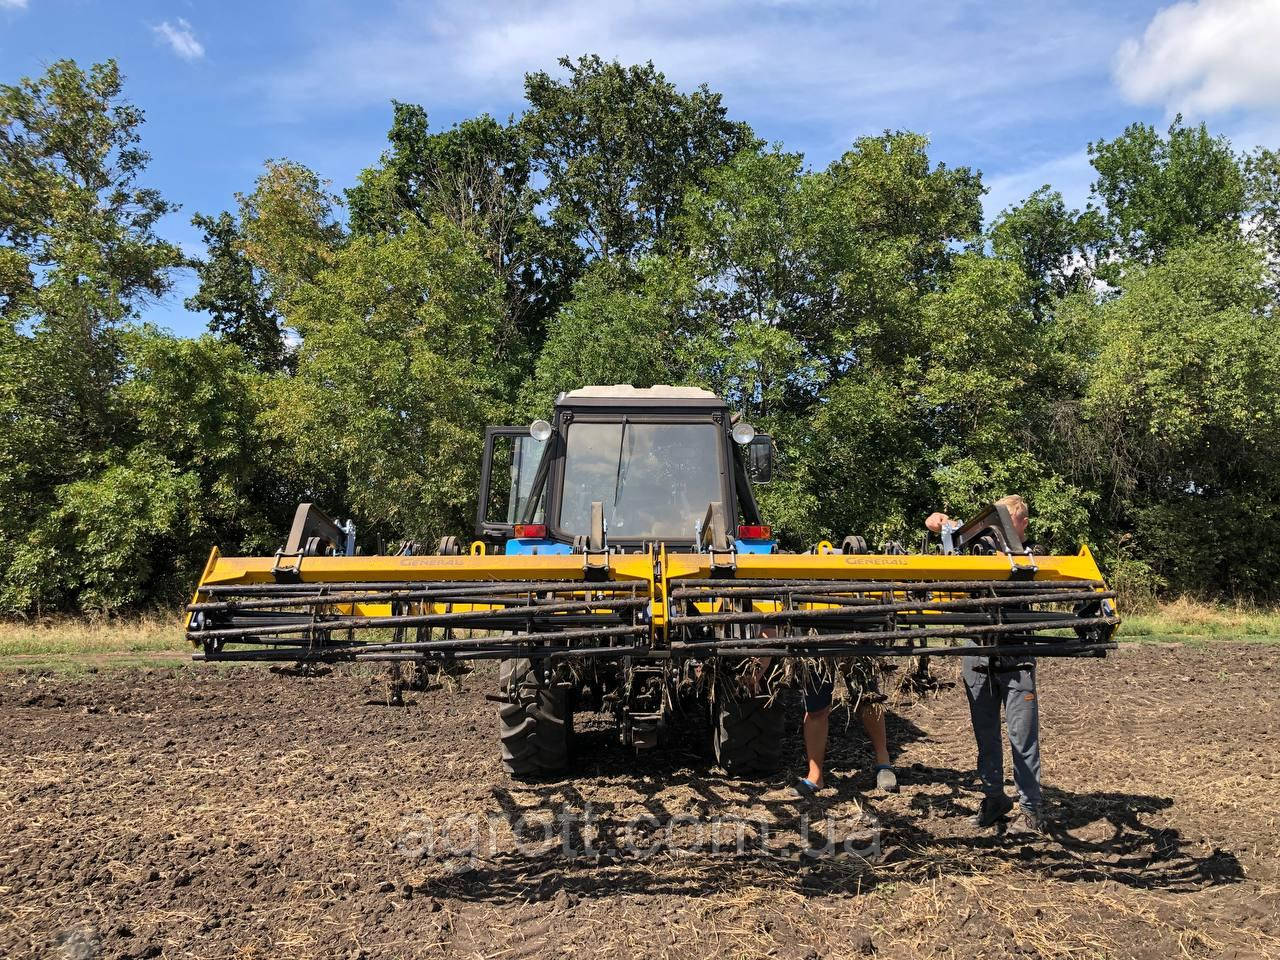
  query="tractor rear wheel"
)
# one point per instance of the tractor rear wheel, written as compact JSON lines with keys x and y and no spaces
{"x":535,"y":723}
{"x":748,"y":735}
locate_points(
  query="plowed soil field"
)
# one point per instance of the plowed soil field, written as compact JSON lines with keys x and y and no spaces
{"x":250,"y":813}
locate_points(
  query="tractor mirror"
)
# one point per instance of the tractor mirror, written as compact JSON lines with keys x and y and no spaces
{"x":760,"y":458}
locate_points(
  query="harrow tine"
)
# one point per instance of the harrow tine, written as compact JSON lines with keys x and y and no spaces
{"x":517,"y":617}
{"x":890,"y":638}
{"x":875,"y":650}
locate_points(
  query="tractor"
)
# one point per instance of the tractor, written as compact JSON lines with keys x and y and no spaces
{"x":620,"y":563}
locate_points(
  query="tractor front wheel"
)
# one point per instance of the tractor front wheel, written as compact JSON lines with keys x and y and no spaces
{"x":535,"y":722}
{"x":748,"y":735}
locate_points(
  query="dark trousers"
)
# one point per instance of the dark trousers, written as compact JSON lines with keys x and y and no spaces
{"x":988,"y":688}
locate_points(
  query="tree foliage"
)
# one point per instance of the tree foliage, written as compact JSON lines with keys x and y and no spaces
{"x":235,"y":295}
{"x":1183,"y":414}
{"x":1055,"y":247}
{"x":476,"y":176}
{"x":383,"y":410}
{"x":618,"y":147}
{"x":1161,"y":192}
{"x":1116,"y":365}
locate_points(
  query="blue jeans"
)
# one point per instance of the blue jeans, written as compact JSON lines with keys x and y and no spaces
{"x":988,"y":687}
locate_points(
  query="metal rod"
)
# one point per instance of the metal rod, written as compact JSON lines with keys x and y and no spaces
{"x":901,"y":606}
{"x":739,"y":587}
{"x":865,"y":650}
{"x":534,"y":653}
{"x":461,"y":586}
{"x":460,"y":643}
{"x":977,"y":630}
{"x":426,"y":619}
{"x":391,"y":596}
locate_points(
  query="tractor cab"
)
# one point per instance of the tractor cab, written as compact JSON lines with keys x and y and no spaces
{"x":653,"y":459}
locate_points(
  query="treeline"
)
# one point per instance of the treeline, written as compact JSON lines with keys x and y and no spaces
{"x":1118,"y":365}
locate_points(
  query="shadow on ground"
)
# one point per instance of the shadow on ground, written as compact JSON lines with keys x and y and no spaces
{"x":667,"y":824}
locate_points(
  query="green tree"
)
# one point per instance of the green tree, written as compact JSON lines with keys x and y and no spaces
{"x":475,"y":175}
{"x":807,"y":276}
{"x":618,"y":148}
{"x":186,"y":471}
{"x":81,"y":252}
{"x":395,"y":381}
{"x":990,"y":380}
{"x":1262,"y":224}
{"x":614,"y":329}
{"x":235,"y":296}
{"x":749,"y":239}
{"x":807,"y":314}
{"x":1163,"y":192}
{"x":1182,"y":418}
{"x":79,"y":256}
{"x":889,"y":225}
{"x":1056,"y":247}
{"x":288,"y":227}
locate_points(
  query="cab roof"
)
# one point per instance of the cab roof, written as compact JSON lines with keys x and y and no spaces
{"x":625,"y":395}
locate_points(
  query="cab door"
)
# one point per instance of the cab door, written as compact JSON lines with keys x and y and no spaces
{"x":507,"y":476}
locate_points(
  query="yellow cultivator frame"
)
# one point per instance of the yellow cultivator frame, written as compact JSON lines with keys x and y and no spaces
{"x":652,"y":604}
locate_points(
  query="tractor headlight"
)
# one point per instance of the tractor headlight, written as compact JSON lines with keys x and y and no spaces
{"x":540,"y":430}
{"x":743,"y":432}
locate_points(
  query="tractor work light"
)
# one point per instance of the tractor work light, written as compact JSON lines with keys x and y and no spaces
{"x":755,"y":531}
{"x":540,"y":430}
{"x":743,"y":432}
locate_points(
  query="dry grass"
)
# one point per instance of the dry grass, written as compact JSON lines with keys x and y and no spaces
{"x":71,"y":643}
{"x":1189,"y":620}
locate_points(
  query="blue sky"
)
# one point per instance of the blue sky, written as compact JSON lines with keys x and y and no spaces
{"x":1014,"y":89}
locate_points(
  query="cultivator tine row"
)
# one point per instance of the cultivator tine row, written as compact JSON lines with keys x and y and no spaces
{"x":419,"y":621}
{"x":815,"y":618}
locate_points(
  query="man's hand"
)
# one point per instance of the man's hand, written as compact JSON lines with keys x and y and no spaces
{"x":936,"y":520}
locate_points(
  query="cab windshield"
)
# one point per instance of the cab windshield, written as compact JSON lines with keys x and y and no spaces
{"x":654,"y":479}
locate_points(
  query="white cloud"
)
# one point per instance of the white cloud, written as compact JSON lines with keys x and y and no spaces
{"x":181,"y":39}
{"x":13,"y":4}
{"x":857,"y":65}
{"x":1203,"y":56}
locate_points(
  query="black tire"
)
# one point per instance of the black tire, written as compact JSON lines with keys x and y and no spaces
{"x":748,"y":736}
{"x":536,"y":727}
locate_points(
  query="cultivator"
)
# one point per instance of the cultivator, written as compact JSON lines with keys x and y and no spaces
{"x":620,"y":558}
{"x":648,"y":606}
{"x":840,"y":604}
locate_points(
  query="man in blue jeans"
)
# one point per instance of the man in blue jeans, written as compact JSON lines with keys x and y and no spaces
{"x":989,"y":684}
